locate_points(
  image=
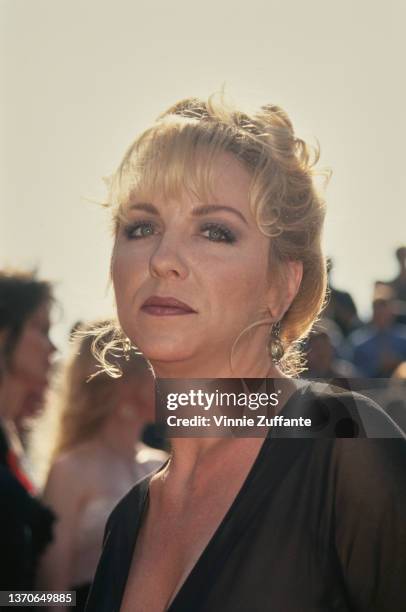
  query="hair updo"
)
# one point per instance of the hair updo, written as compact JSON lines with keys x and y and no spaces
{"x":179,"y":151}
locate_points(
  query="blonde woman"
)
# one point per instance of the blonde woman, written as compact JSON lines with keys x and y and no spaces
{"x":218,"y":272}
{"x":98,"y":457}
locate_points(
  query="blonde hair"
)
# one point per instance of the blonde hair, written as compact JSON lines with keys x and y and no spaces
{"x":179,"y":151}
{"x":88,"y":393}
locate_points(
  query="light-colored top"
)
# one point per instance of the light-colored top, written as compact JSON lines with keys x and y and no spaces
{"x":83,"y":486}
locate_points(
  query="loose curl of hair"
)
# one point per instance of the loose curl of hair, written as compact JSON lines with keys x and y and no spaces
{"x":179,"y":151}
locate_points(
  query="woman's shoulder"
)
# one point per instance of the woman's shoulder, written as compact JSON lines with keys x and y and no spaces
{"x":68,"y":470}
{"x":365,"y":449}
{"x":351,"y":442}
{"x":74,"y":459}
{"x":360,"y":470}
{"x":82,"y":465}
{"x":341,"y":413}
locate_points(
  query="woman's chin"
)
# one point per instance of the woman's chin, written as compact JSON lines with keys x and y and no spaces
{"x":166,"y":352}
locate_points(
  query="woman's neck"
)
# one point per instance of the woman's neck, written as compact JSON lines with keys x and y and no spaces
{"x":191,"y":454}
{"x":246,"y":363}
{"x":250,"y":361}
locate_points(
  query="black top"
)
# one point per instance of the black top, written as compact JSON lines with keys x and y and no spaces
{"x":319,"y":525}
{"x":25,"y":529}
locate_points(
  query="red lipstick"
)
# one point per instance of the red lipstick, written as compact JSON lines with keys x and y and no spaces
{"x":166,"y":306}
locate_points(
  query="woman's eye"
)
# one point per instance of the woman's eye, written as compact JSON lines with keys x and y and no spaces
{"x":218,"y":233}
{"x":142,"y":229}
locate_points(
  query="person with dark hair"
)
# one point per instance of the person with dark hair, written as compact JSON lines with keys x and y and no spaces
{"x":340,"y":306}
{"x":25,"y":351}
{"x":397,"y":287}
{"x":379,"y":347}
{"x":398,"y":284}
{"x":321,"y":348}
{"x":23,"y":299}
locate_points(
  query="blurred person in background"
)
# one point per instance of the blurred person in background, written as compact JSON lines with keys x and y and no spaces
{"x":398,"y":286}
{"x":25,"y":359}
{"x":380,"y":346}
{"x":97,"y":459}
{"x":322,"y":352}
{"x":340,"y":307}
{"x":25,"y":304}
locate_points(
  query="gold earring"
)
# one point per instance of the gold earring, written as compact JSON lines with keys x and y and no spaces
{"x":276,"y":348}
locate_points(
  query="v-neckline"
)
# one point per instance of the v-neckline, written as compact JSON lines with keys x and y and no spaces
{"x":184,"y":590}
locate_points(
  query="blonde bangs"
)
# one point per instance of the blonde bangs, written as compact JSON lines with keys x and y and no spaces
{"x":175,"y":155}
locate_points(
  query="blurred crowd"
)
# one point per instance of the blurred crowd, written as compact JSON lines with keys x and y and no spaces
{"x":102,"y":439}
{"x":343,"y":347}
{"x":51,"y":537}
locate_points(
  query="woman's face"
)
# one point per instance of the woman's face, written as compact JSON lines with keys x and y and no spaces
{"x":189,"y":277}
{"x":31,"y":358}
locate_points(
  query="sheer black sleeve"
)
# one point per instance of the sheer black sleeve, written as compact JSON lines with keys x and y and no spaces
{"x":370,"y":520}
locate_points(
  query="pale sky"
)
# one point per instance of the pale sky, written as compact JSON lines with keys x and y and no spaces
{"x":80,"y":79}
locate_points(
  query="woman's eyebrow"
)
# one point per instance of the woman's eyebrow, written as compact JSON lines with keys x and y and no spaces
{"x":146,"y":207}
{"x":199,"y":211}
{"x":206,"y":209}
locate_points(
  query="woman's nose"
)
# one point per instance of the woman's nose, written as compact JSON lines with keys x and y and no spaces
{"x":169,"y":259}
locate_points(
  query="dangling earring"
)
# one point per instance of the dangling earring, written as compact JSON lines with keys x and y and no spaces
{"x":276,"y":348}
{"x":127,"y":349}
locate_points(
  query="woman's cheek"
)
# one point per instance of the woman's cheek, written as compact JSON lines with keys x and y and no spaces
{"x":122,"y":270}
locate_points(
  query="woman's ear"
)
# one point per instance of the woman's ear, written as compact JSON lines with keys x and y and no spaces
{"x":282,"y":293}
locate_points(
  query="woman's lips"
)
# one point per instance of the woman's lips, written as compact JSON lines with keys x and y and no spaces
{"x":166,"y":306}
